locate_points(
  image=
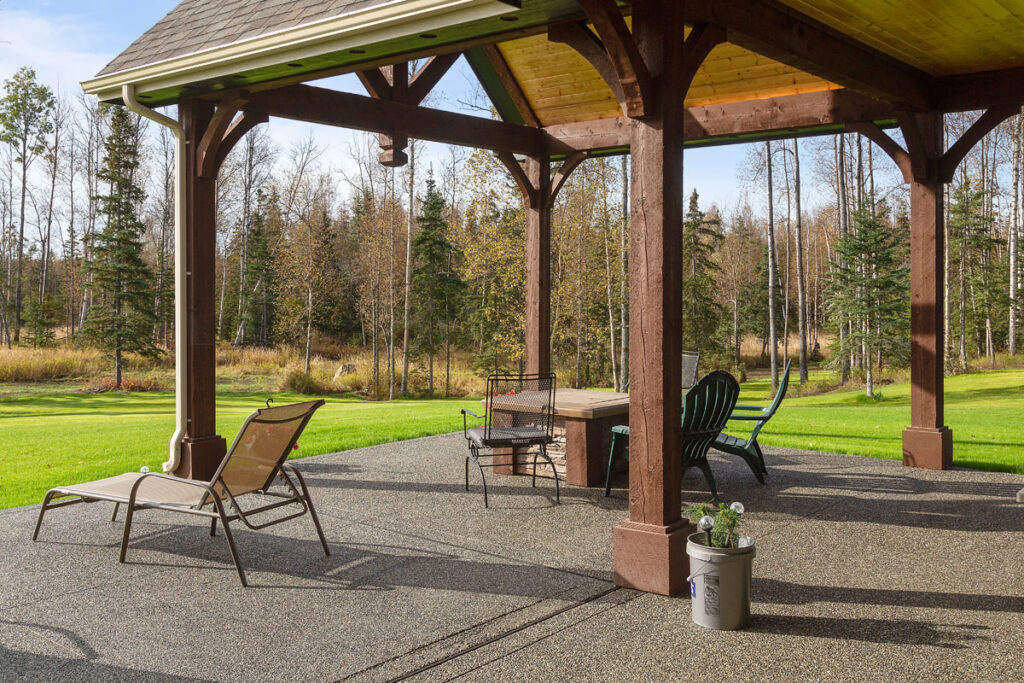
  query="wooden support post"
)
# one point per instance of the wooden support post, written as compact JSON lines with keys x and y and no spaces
{"x":927,"y":442}
{"x":538,"y":267}
{"x":650,"y":547}
{"x":202,"y":448}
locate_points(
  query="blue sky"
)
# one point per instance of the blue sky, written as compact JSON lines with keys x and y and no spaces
{"x":68,"y":41}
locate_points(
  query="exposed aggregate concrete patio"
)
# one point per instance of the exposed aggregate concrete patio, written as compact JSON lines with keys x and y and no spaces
{"x":865,"y":571}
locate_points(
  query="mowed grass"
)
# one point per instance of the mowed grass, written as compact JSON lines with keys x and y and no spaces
{"x":985,"y":411}
{"x":50,"y":440}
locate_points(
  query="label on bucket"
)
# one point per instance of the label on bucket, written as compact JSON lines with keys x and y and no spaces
{"x":693,"y":588}
{"x":711,"y":595}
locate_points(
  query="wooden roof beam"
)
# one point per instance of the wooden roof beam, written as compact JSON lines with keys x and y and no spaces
{"x":970,"y":92}
{"x":497,"y":80}
{"x":788,"y":113}
{"x":771,"y":29}
{"x":333,"y":108}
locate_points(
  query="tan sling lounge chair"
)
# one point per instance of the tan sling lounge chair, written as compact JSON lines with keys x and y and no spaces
{"x":254,"y":462}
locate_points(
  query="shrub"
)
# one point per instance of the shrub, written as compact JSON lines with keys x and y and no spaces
{"x":302,"y":382}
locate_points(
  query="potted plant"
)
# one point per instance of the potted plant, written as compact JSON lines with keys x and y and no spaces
{"x":720,"y":566}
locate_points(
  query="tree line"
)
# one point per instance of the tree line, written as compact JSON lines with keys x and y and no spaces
{"x":425,"y":263}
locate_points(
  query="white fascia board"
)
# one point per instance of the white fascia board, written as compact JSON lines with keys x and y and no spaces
{"x":375,"y":24}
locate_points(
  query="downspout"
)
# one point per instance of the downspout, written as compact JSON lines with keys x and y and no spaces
{"x":180,"y":282}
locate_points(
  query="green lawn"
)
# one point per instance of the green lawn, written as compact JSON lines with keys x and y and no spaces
{"x":50,"y":439}
{"x":985,"y":410}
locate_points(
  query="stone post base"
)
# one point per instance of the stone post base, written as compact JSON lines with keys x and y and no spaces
{"x":652,"y":558}
{"x":928,"y":448}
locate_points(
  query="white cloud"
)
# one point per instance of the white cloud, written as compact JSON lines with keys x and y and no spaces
{"x":59,"y":48}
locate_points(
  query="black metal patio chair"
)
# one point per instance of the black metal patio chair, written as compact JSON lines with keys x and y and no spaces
{"x":519,"y":413}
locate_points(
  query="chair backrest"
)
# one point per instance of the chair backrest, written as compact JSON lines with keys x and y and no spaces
{"x":706,"y":409}
{"x":521,"y":401}
{"x":691,"y":359}
{"x":262,"y":445}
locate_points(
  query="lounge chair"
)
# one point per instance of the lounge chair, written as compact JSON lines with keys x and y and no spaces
{"x":252,"y":465}
{"x":706,"y":407}
{"x":748,"y":448}
{"x":519,"y":413}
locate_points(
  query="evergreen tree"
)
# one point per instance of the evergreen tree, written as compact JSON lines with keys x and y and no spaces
{"x":122,"y":317}
{"x":702,"y":312}
{"x":869,"y":285}
{"x":259,"y":285}
{"x":435,"y":284}
{"x":40,"y":320}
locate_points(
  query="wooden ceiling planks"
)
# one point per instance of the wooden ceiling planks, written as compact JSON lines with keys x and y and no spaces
{"x":940,"y":37}
{"x":562,"y":87}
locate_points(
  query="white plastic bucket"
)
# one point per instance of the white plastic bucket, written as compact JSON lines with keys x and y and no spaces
{"x":720,"y":582}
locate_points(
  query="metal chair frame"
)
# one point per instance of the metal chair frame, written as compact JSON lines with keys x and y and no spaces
{"x":501,"y":439}
{"x":280,"y":471}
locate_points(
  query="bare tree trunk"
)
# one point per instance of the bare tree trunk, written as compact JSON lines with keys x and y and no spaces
{"x":1014,"y":235}
{"x":624,"y":281}
{"x":801,"y":295}
{"x":844,"y":227}
{"x":773,"y":344}
{"x":408,"y":278}
{"x":309,"y":327}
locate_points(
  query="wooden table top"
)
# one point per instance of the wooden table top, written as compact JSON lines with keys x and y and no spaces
{"x":583,"y":404}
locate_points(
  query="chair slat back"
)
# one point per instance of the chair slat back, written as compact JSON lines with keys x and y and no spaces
{"x":706,"y":409}
{"x":521,"y":401}
{"x":691,"y":359}
{"x":262,"y":445}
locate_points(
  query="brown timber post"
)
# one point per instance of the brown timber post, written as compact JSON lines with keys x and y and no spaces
{"x":538,"y":266}
{"x":650,"y":546}
{"x":202,"y":448}
{"x":927,"y":442}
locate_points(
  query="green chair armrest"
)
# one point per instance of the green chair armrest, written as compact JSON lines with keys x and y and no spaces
{"x":751,"y":418}
{"x":742,"y":407}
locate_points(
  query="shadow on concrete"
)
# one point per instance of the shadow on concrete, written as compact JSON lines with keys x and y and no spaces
{"x":898,"y":632}
{"x":786,"y":593}
{"x":23,"y":665}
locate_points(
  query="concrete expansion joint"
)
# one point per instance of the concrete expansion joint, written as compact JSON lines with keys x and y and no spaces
{"x":538,"y":621}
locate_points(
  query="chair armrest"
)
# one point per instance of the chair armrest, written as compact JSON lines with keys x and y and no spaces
{"x":751,"y":418}
{"x":205,"y":485}
{"x":467,"y":411}
{"x":742,"y":407}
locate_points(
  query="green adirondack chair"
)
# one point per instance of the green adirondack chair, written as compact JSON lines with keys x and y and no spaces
{"x":748,"y":448}
{"x":706,"y":409}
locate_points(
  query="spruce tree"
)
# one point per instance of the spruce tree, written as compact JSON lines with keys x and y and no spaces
{"x":869,"y":285}
{"x":123,"y":316}
{"x":435,"y":284}
{"x":702,"y":313}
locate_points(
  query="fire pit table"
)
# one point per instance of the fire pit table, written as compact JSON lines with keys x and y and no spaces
{"x":583,"y":425}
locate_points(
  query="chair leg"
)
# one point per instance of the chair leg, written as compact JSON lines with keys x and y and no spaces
{"x":482,"y":477}
{"x":554,"y":473}
{"x":312,"y":510}
{"x":113,"y":517}
{"x":760,"y":457}
{"x":42,"y":511}
{"x":612,"y":457}
{"x":213,"y":527}
{"x":534,"y":482}
{"x":127,"y":531}
{"x":706,"y":469}
{"x":231,"y":541}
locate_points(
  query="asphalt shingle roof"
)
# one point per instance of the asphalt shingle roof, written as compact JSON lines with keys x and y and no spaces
{"x":196,"y":25}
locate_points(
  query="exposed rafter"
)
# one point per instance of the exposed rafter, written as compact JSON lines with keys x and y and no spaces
{"x":771,"y":29}
{"x":501,"y":86}
{"x":617,"y":41}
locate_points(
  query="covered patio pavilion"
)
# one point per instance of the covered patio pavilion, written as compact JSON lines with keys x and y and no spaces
{"x":571,"y":78}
